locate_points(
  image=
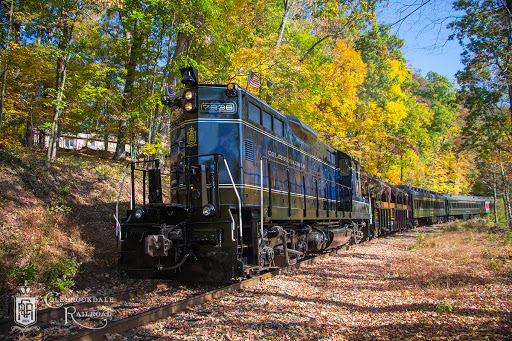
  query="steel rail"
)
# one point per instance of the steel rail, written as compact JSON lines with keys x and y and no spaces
{"x":162,"y":312}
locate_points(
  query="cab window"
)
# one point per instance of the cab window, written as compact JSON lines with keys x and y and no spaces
{"x":254,"y":113}
{"x":278,"y":126}
{"x":267,"y":120}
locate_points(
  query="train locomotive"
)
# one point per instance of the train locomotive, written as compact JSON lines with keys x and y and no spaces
{"x":249,"y":189}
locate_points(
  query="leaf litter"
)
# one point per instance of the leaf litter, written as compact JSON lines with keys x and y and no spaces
{"x":376,"y":291}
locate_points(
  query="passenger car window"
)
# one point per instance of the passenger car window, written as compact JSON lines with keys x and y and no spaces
{"x":254,"y":113}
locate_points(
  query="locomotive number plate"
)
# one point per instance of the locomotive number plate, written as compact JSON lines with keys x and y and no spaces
{"x":217,"y":107}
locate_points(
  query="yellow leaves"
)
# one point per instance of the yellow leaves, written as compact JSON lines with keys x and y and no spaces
{"x":394,"y":112}
{"x":499,"y":156}
{"x":399,"y":71}
{"x":337,"y":84}
{"x":396,"y":90}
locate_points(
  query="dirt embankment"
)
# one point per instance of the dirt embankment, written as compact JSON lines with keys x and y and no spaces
{"x":57,"y":224}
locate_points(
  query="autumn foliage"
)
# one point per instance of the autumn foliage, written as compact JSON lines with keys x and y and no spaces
{"x":100,"y":67}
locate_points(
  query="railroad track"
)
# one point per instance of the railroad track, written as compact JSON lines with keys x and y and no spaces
{"x":151,"y":315}
{"x":162,"y":312}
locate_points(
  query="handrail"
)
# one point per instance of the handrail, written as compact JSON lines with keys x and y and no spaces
{"x":232,"y":226}
{"x":237,"y":195}
{"x":116,"y":216}
{"x":261,"y":198}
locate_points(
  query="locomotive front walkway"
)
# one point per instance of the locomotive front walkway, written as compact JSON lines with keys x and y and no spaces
{"x":385,"y":289}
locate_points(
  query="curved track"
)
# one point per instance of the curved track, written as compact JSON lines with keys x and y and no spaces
{"x":156,"y":314}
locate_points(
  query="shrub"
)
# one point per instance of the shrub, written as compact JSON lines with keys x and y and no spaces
{"x":444,"y":306}
{"x":419,"y":240}
{"x":60,"y":277}
{"x":22,"y":274}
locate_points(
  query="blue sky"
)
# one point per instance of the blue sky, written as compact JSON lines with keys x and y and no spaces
{"x":426,"y":37}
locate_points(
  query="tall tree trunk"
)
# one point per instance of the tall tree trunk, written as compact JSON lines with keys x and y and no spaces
{"x":159,"y":109}
{"x":53,"y":143}
{"x":288,"y":9}
{"x":494,"y":194}
{"x":4,"y":72}
{"x":41,"y":139}
{"x":153,"y":114}
{"x":105,"y":139}
{"x":2,"y":95}
{"x":182,"y":43}
{"x":506,"y":199}
{"x":138,"y":40}
{"x":105,"y":132}
{"x":62,"y":64}
{"x":154,"y":125}
{"x":29,"y":133}
{"x":507,"y":203}
{"x":508,"y":19}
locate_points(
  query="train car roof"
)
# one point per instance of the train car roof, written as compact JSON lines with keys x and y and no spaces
{"x":382,"y":186}
{"x":465,"y":197}
{"x":427,"y":193}
{"x":419,"y":191}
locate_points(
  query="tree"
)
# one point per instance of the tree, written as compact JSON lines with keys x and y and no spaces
{"x":64,"y":21}
{"x":485,"y":32}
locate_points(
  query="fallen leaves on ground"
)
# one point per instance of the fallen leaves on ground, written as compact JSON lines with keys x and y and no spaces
{"x":366,"y":293}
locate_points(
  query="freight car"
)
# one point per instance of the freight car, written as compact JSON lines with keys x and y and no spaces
{"x":248,"y":188}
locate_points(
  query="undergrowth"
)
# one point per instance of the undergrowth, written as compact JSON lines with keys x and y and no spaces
{"x":457,"y":254}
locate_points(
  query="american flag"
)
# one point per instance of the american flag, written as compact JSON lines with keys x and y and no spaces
{"x":254,"y":80}
{"x":171,"y":92}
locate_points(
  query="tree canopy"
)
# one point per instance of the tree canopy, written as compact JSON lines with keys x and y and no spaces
{"x":100,"y":67}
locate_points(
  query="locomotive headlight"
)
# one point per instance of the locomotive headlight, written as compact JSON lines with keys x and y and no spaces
{"x":188,"y":95}
{"x":208,"y":210}
{"x":189,"y":106}
{"x":231,"y":91}
{"x":139,"y":213}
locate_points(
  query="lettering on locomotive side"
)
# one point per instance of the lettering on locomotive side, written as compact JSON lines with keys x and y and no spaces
{"x":286,"y":159}
{"x":217,"y":107}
